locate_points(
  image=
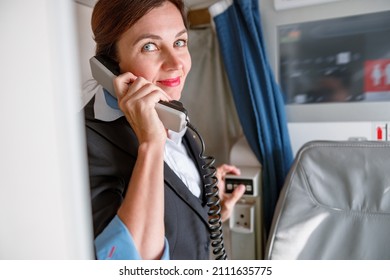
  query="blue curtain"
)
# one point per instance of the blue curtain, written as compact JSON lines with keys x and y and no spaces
{"x":258,"y":99}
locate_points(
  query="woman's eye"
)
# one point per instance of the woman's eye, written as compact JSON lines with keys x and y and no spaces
{"x":149,"y":47}
{"x":181,"y":43}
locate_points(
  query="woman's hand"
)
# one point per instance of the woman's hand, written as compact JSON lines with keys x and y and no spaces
{"x":228,"y":200}
{"x":137,"y":98}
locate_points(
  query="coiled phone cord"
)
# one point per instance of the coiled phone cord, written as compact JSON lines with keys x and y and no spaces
{"x":212,"y":201}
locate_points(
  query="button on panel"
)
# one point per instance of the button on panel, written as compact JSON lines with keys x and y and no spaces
{"x":233,"y":183}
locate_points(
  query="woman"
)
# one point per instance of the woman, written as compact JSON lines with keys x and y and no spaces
{"x":146,"y":186}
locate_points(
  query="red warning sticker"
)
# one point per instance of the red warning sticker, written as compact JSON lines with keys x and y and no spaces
{"x":377,"y":75}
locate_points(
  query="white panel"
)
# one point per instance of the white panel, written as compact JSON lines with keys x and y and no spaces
{"x":88,"y":3}
{"x":44,"y":192}
{"x":302,"y":133}
{"x":288,"y":4}
{"x":86,"y":44}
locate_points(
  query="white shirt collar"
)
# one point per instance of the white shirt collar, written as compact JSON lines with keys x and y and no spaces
{"x":102,"y":109}
{"x":176,"y":137}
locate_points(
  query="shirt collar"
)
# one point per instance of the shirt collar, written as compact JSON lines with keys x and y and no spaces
{"x":106,"y":106}
{"x":176,"y":137}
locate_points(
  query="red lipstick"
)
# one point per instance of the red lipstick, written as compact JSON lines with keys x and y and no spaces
{"x":170,"y":82}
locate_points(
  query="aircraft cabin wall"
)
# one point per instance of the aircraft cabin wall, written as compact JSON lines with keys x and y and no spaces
{"x":44,"y":193}
{"x":360,"y":121}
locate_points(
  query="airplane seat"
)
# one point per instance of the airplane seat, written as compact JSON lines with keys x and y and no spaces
{"x":335,"y":203}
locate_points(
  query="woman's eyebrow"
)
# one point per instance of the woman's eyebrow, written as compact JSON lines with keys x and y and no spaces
{"x":181,"y":33}
{"x":156,"y":37}
{"x":147,"y":36}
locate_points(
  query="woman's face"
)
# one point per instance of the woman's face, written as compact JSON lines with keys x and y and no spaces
{"x":155,"y":48}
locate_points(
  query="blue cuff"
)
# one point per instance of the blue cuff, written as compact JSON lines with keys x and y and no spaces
{"x":116,"y":243}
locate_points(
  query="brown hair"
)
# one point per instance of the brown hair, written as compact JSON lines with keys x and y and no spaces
{"x":111,"y":18}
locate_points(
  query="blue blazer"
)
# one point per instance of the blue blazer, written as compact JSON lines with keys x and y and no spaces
{"x":112,"y":151}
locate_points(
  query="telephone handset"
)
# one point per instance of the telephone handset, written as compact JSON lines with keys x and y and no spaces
{"x":174,"y":117}
{"x":172,"y":114}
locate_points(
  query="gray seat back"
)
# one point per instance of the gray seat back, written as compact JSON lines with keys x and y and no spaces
{"x":335,"y":203}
